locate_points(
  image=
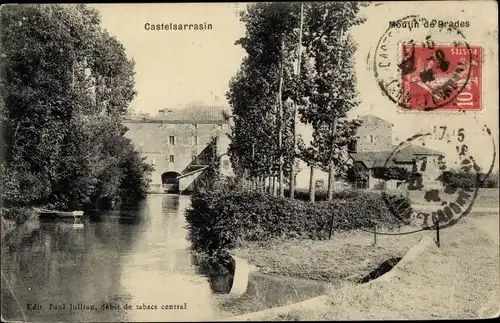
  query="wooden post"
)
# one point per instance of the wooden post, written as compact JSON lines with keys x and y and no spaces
{"x":331,"y":168}
{"x":312,"y":191}
{"x":330,"y":233}
{"x":438,"y":242}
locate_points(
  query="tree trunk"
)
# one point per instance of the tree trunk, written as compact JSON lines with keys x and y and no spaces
{"x":275,"y":191}
{"x":294,"y":126}
{"x":280,"y":135}
{"x":269,"y":179}
{"x":331,"y":168}
{"x":331,"y":180}
{"x":311,"y":185}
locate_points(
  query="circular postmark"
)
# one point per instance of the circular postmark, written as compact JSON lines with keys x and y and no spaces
{"x":420,"y":64}
{"x":445,"y":168}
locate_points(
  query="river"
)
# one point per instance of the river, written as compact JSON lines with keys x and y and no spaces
{"x":128,"y":265}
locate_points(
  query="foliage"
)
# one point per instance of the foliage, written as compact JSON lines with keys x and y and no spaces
{"x":390,"y":173}
{"x":269,"y":42}
{"x":325,"y":88}
{"x":357,"y":172}
{"x":328,"y":86}
{"x":463,"y":179}
{"x":66,"y":83}
{"x":214,"y":224}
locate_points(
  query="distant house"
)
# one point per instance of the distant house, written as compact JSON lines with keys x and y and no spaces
{"x":374,"y":149}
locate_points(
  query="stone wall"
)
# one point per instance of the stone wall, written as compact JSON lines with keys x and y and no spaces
{"x":374,"y":134}
{"x":174,"y":147}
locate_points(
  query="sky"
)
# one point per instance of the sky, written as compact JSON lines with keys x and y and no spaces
{"x":175,"y":68}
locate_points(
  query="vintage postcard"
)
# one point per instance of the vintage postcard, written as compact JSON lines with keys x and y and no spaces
{"x":249,"y":161}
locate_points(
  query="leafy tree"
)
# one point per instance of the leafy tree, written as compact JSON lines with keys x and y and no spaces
{"x":66,"y":83}
{"x":391,"y":173}
{"x":254,"y":93}
{"x":331,"y":88}
{"x":464,"y":179}
{"x":357,"y":173}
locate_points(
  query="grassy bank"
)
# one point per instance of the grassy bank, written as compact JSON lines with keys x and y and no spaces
{"x":348,"y":255}
{"x":459,"y":280}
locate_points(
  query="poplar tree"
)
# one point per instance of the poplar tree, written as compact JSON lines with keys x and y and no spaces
{"x":331,"y":87}
{"x":262,"y":86}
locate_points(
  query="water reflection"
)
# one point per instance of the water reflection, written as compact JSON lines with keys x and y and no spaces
{"x":220,"y":272}
{"x":136,"y":256}
{"x":133,"y":264}
{"x":268,"y":291}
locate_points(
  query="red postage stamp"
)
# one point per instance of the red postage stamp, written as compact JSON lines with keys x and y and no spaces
{"x":442,"y":78}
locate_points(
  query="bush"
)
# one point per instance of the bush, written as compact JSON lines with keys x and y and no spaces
{"x":222,"y":218}
{"x":463,"y":179}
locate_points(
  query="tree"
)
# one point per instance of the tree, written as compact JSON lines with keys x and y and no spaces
{"x":262,"y":86}
{"x":357,"y":173}
{"x":66,"y":84}
{"x":331,"y":89}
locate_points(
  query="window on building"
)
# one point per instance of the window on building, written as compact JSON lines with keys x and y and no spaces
{"x":171,"y":158}
{"x":195,"y":141}
{"x":371,"y":138}
{"x":172,"y":140}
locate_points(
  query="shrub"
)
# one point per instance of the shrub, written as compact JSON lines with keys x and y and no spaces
{"x":223,"y":217}
{"x":468,"y":179}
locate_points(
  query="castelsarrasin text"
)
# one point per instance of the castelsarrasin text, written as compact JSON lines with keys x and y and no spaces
{"x":172,"y":26}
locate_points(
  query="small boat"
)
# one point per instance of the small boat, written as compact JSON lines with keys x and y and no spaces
{"x":58,"y":214}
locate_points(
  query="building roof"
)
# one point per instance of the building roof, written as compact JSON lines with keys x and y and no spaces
{"x":197,"y":113}
{"x":409,"y":152}
{"x":194,"y":114}
{"x":392,"y":158}
{"x":372,"y":117}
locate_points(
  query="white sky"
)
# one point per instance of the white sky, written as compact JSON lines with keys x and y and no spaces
{"x":175,"y":68}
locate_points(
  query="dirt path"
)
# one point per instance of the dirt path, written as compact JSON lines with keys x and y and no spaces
{"x":490,"y":225}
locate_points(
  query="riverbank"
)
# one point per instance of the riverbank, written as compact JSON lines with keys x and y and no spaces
{"x":458,"y":280}
{"x":5,"y":226}
{"x":8,"y":226}
{"x":347,"y":256}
